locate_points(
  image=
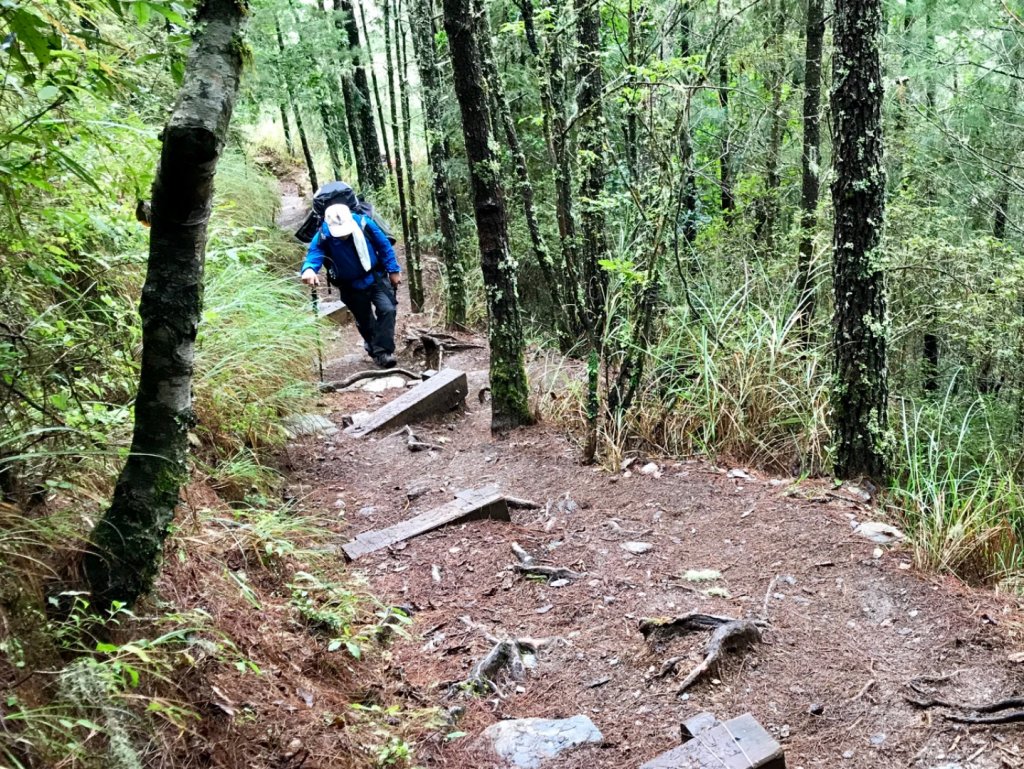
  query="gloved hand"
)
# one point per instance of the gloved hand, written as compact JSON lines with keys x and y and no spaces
{"x":310,"y":278}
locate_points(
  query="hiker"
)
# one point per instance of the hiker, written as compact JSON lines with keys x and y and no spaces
{"x":358,"y":256}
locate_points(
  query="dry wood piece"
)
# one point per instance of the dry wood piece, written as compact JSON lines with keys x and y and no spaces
{"x":527,"y":566}
{"x":732,"y":636}
{"x":437,"y":395}
{"x":517,"y":503}
{"x":341,"y":384}
{"x":740,"y":743}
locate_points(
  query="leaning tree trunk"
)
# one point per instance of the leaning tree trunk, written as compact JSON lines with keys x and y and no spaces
{"x":811,"y":165}
{"x":376,"y":91}
{"x":860,"y":391}
{"x":420,"y":15}
{"x":509,"y":391}
{"x":540,"y":248}
{"x":122,"y":561}
{"x":414,"y":256}
{"x":372,"y":175}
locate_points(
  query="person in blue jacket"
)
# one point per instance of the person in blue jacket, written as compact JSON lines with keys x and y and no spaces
{"x":358,"y":256}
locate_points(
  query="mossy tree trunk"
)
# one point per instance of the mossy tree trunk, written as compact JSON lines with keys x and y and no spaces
{"x":509,"y":389}
{"x":392,"y":78}
{"x":287,"y":130}
{"x":525,"y":185}
{"x":290,"y":89}
{"x":420,"y":15}
{"x":413,"y":256}
{"x":126,"y":545}
{"x":810,"y":164}
{"x":860,"y":391}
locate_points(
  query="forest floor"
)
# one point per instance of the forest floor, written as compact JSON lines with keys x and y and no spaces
{"x":849,"y":625}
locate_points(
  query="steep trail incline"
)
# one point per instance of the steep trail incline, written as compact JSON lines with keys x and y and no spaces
{"x":849,"y":625}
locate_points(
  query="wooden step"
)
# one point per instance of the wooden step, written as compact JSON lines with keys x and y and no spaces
{"x":469,"y":505}
{"x":741,"y":743}
{"x":437,"y":395}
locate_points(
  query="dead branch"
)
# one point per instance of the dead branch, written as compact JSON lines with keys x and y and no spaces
{"x":730,"y":637}
{"x":1006,"y":717}
{"x":616,"y":527}
{"x":926,"y":702}
{"x":412,"y":441}
{"x":330,"y":387}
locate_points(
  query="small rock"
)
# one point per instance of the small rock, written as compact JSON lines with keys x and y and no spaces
{"x":526,"y":743}
{"x":435,"y":573}
{"x":558,"y":583}
{"x":384,"y":383}
{"x":878,"y":532}
{"x":651,"y":468}
{"x":636,"y":548}
{"x":299,"y":425}
{"x":816,"y":709}
{"x":367,"y":511}
{"x":847,"y":754}
{"x":784,"y":732}
{"x":624,"y":465}
{"x":545,"y":608}
{"x":738,"y":473}
{"x":876,"y":739}
{"x":877,"y":552}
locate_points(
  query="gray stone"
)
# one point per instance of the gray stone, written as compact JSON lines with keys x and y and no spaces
{"x":636,"y":548}
{"x":527,"y":742}
{"x":878,"y":532}
{"x":381,"y":384}
{"x":299,"y":425}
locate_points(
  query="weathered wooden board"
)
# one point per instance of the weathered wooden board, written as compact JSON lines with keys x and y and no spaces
{"x":741,"y":743}
{"x":437,"y":395}
{"x":470,"y":505}
{"x":336,"y":312}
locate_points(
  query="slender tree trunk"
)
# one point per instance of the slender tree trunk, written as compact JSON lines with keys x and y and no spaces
{"x":372,"y":175}
{"x":287,"y":130}
{"x":331,"y":139}
{"x":631,"y":106}
{"x":122,"y":561}
{"x":414,"y":257}
{"x":420,"y":15}
{"x":860,"y":393}
{"x":392,"y":77}
{"x":509,"y":390}
{"x":725,"y":158}
{"x":1002,"y":206}
{"x":376,"y":91}
{"x":525,"y":186}
{"x":689,"y":200}
{"x":810,"y":164}
{"x":591,"y":140}
{"x":770,"y":204}
{"x":306,"y":152}
{"x":594,"y":248}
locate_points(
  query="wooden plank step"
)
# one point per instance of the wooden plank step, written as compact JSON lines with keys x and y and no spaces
{"x":437,"y":395}
{"x":469,"y":505}
{"x":336,"y":312}
{"x":741,"y":743}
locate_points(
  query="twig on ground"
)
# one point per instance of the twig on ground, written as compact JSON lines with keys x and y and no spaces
{"x":528,"y":566}
{"x":330,"y":387}
{"x":616,"y":527}
{"x":767,"y":597}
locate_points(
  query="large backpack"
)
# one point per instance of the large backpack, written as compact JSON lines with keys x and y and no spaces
{"x":331,"y":194}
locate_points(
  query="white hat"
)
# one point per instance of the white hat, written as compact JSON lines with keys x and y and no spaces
{"x":339,"y":220}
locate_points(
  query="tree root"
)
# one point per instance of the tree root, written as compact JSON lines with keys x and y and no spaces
{"x":1006,"y":711}
{"x":413,"y":442}
{"x":661,"y":628}
{"x":730,"y":637}
{"x":528,"y":567}
{"x":505,"y":653}
{"x":330,"y":387}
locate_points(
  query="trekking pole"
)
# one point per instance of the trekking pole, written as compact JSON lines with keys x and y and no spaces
{"x":314,"y":295}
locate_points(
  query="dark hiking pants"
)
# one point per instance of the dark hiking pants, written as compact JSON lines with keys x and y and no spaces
{"x":374,"y":309}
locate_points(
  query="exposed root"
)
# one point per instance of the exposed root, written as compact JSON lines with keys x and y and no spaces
{"x":517,"y":503}
{"x":413,"y":442}
{"x":330,"y":387}
{"x":1006,"y":711}
{"x":505,"y":653}
{"x":665,"y":627}
{"x":528,"y":567}
{"x":730,"y":637}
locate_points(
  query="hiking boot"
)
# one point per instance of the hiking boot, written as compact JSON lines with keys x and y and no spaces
{"x":385,"y":360}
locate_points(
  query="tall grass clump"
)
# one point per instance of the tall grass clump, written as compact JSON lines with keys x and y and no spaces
{"x":956,"y":492}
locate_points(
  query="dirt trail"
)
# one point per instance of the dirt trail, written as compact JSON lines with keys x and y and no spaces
{"x":847,"y":628}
